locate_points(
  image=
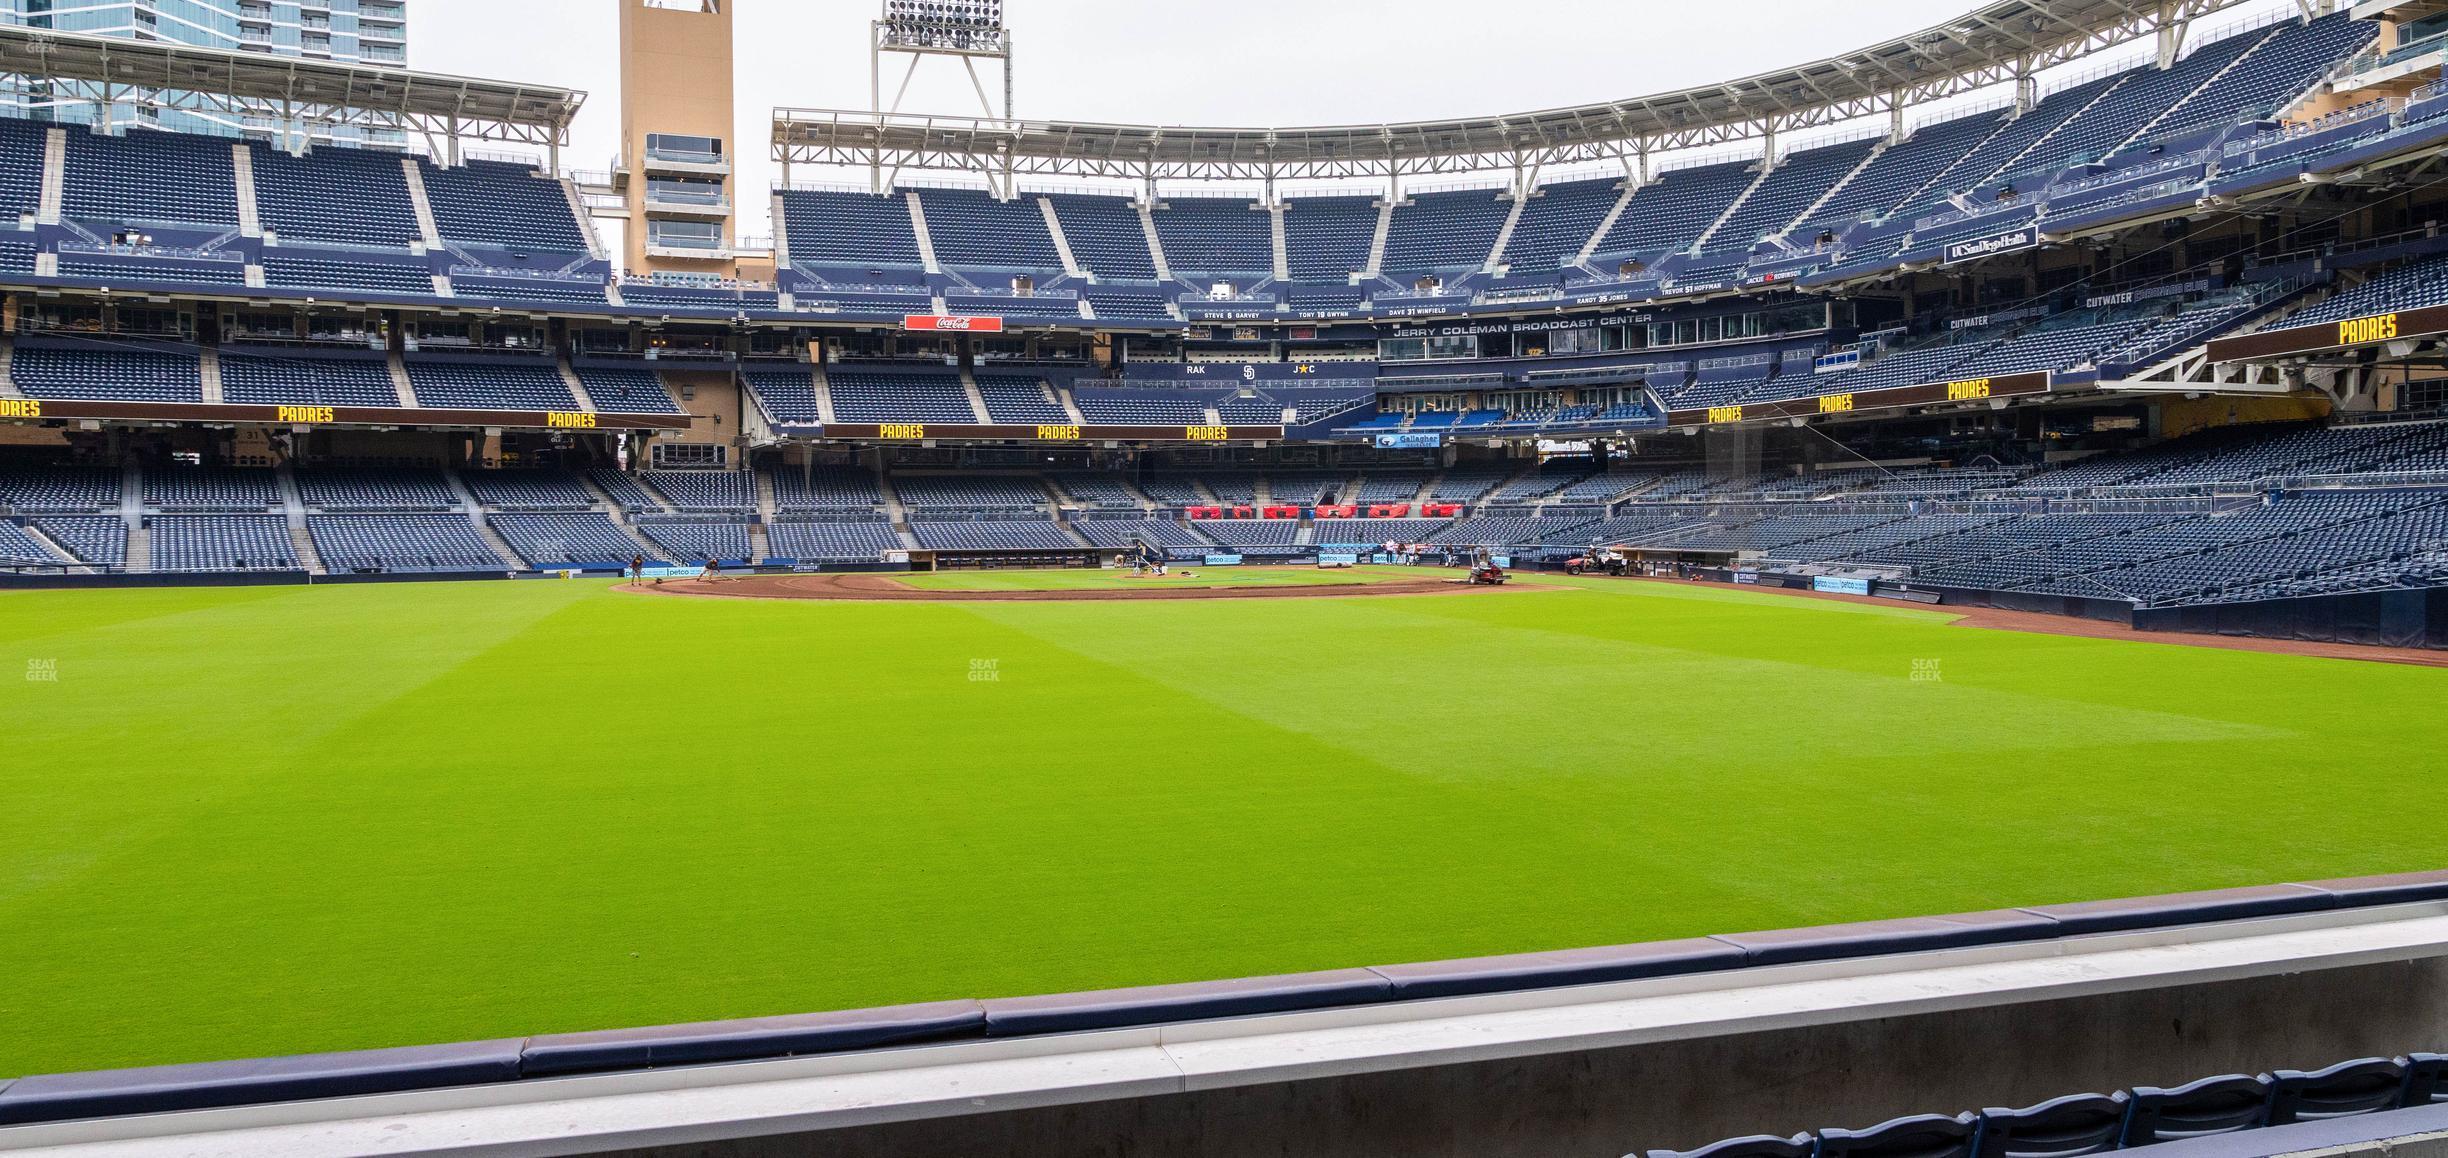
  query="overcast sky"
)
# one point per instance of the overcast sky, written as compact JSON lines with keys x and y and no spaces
{"x":1253,"y":62}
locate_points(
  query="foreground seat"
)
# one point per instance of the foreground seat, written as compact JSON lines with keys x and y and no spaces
{"x":2364,"y":1086}
{"x":2064,"y":1127}
{"x":1751,"y":1146}
{"x":2426,"y":1080}
{"x":1919,"y":1136}
{"x":2219,"y":1105}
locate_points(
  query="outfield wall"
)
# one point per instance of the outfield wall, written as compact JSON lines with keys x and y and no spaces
{"x":2410,"y":618}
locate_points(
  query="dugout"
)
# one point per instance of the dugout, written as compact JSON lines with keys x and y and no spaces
{"x":1014,"y":559}
{"x":1674,"y":561}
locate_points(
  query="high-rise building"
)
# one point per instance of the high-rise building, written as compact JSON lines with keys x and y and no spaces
{"x":347,"y":31}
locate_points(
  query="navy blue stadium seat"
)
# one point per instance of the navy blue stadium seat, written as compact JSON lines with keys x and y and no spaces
{"x":2220,"y":1105}
{"x":1918,"y":1136}
{"x":1753,"y":1146}
{"x":2364,"y":1086}
{"x":2426,"y":1080}
{"x":2064,"y":1127}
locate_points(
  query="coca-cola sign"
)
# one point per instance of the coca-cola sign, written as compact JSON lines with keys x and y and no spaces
{"x":954,"y":324}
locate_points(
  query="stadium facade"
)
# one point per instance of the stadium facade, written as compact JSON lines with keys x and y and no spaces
{"x":2137,"y":268}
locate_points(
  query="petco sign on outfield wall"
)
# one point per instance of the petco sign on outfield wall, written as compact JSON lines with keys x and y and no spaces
{"x":952,"y":325}
{"x":2011,"y":241}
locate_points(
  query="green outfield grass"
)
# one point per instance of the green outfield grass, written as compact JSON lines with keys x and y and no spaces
{"x":1182,"y":575}
{"x":272,"y":820}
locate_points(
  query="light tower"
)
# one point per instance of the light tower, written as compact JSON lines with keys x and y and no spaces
{"x":964,"y":30}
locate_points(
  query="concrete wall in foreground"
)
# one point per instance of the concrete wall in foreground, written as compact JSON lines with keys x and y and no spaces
{"x":1685,"y":1093}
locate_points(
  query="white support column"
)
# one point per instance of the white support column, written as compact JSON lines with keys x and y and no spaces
{"x":2171,"y":42}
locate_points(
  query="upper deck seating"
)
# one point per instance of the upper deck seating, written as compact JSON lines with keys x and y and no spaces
{"x":1105,"y":235}
{"x":1326,"y":239}
{"x":333,"y":194}
{"x":502,"y":203}
{"x":830,"y":228}
{"x":149,"y":177}
{"x":1216,"y":235}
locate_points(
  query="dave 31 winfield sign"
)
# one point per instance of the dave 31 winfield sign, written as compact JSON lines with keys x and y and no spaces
{"x":951,"y":325}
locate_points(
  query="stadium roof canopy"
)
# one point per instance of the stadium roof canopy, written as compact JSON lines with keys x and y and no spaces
{"x":1999,"y":43}
{"x":288,"y":90}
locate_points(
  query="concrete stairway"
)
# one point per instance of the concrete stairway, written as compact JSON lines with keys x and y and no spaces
{"x":293,"y":508}
{"x":926,"y":240}
{"x":475,"y":514}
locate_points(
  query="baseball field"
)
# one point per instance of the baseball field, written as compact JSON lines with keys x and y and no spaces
{"x":251,"y":821}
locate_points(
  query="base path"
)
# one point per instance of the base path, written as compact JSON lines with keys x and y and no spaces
{"x":886,"y":588}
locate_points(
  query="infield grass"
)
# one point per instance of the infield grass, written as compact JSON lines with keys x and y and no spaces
{"x":259,"y":821}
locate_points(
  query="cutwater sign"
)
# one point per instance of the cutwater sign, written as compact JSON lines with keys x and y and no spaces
{"x":2011,"y":241}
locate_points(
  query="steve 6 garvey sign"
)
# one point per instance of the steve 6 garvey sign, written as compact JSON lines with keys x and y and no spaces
{"x":952,"y":325}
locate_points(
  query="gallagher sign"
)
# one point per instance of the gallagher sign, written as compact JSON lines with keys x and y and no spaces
{"x":956,"y":324}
